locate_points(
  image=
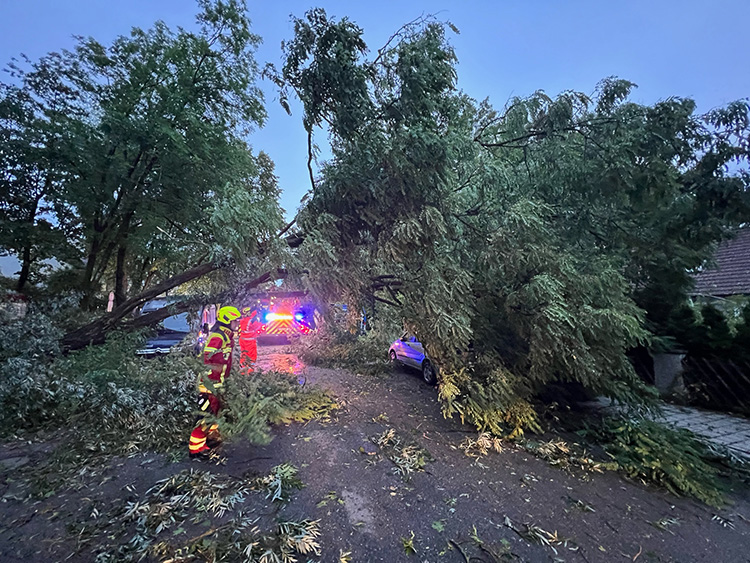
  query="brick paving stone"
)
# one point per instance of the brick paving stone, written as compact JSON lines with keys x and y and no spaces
{"x":727,"y":440}
{"x":738,"y":443}
{"x":724,"y":430}
{"x":694,"y":426}
{"x":717,"y":434}
{"x":719,"y":421}
{"x":677,"y":419}
{"x":727,"y":424}
{"x":678,"y":414}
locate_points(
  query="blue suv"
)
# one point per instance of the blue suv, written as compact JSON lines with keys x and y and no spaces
{"x":408,"y":351}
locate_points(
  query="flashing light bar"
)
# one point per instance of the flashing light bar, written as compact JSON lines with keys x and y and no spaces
{"x":299,"y":316}
{"x":278,"y":317}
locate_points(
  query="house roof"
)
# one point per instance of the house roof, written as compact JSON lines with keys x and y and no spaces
{"x":731,"y":276}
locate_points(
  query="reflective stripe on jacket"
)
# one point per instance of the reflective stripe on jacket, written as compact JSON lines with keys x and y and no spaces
{"x":218,"y":353}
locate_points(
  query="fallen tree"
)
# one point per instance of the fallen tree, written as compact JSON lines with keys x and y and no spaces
{"x":96,"y":331}
{"x":544,"y":239}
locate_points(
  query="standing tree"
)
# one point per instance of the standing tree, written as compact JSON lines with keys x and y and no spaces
{"x":150,"y":147}
{"x":30,"y":228}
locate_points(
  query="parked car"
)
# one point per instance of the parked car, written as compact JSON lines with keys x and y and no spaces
{"x":408,"y":351}
{"x":172,"y":331}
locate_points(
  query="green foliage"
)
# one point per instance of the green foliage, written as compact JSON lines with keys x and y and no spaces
{"x":28,"y":185}
{"x":671,"y":458}
{"x":564,"y":455}
{"x":323,"y":54}
{"x":408,"y":544}
{"x":490,"y":400}
{"x":138,"y":153}
{"x":709,"y":330}
{"x":153,"y":526}
{"x":533,"y":245}
{"x":97,"y":403}
{"x":113,"y":401}
{"x":484,"y":444}
{"x":714,"y":335}
{"x":334,"y":347}
{"x":407,"y":458}
{"x":254,"y":401}
{"x":280,"y":482}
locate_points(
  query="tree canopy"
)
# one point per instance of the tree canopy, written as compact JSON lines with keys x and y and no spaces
{"x":524,"y":246}
{"x":135,"y":155}
{"x":534,"y":244}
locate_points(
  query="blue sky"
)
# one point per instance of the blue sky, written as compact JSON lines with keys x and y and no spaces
{"x":506,"y":48}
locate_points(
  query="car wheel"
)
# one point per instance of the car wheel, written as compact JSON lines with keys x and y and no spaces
{"x":393,"y":357}
{"x":428,"y":373}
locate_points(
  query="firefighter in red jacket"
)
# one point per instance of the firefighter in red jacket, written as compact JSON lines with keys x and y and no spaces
{"x":217,"y":355}
{"x":250,"y":328}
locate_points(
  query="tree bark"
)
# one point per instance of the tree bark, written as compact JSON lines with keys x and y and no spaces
{"x":23,"y":277}
{"x":149,"y":277}
{"x":96,"y":331}
{"x":120,"y":276}
{"x":187,"y":304}
{"x":120,"y":265}
{"x":154,"y":317}
{"x":25,"y":267}
{"x":88,"y":276}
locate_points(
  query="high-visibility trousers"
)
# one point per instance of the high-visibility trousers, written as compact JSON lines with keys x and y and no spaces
{"x":198,"y":437}
{"x":248,"y":353}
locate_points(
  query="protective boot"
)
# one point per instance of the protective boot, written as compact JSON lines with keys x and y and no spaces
{"x":213,"y":438}
{"x":198,"y":447}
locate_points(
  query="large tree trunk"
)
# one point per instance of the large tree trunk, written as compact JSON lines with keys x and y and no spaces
{"x":23,"y":277}
{"x":120,"y":267}
{"x":87,"y":283}
{"x":96,"y":331}
{"x":121,"y":281}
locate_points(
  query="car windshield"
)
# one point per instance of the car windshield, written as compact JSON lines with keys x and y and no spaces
{"x":177,"y":323}
{"x":153,"y":305}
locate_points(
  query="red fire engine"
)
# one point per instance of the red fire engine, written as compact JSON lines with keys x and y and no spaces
{"x":284,"y":313}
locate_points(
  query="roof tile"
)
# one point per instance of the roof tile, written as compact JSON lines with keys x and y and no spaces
{"x":731,"y":276}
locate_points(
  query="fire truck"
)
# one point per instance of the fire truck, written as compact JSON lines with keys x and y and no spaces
{"x":283,"y":314}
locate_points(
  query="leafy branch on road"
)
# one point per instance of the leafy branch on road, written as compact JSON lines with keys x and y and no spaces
{"x":407,"y":458}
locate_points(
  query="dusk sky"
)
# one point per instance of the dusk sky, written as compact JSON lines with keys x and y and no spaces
{"x":506,"y":48}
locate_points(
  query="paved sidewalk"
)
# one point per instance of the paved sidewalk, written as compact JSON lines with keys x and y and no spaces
{"x":727,"y":430}
{"x":719,"y":428}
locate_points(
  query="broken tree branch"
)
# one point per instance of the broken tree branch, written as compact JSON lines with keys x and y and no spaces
{"x":95,"y":332}
{"x":386,"y":301}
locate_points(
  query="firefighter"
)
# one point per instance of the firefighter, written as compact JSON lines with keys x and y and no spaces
{"x":217,"y":355}
{"x":250,"y":328}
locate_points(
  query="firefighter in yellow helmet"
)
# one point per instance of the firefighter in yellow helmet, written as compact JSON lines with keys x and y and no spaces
{"x":217,"y":355}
